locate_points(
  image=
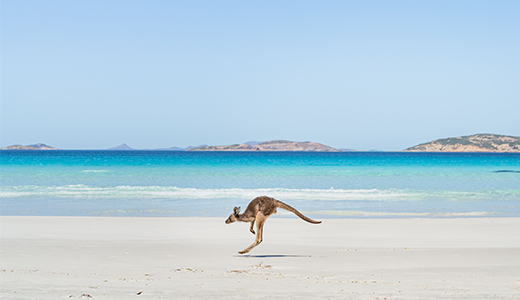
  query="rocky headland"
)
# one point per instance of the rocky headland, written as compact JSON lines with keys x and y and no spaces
{"x":472,"y":143}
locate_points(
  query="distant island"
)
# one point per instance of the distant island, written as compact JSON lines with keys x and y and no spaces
{"x":121,"y":147}
{"x":126,"y":147}
{"x":483,"y":142}
{"x":275,"y":145}
{"x":473,"y":143}
{"x":38,"y":146}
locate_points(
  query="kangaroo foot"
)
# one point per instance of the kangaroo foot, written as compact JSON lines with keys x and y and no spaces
{"x":243,"y":251}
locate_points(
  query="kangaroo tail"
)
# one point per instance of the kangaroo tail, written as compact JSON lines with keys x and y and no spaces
{"x":296,"y":212}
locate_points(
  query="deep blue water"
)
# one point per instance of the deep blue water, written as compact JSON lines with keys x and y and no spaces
{"x":344,"y":184}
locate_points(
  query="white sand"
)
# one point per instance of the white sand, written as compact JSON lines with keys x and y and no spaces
{"x":183,"y":258}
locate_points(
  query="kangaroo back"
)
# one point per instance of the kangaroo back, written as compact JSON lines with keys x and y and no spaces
{"x":287,"y":207}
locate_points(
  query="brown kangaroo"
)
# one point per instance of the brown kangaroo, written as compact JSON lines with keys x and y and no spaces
{"x":259,"y":209}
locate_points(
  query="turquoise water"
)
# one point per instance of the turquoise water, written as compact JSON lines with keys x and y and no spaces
{"x":323,"y":185}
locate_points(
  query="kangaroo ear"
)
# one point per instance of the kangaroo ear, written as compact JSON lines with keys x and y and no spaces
{"x":236,"y":210}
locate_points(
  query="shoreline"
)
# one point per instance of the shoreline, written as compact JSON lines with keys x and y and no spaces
{"x":196,"y":257}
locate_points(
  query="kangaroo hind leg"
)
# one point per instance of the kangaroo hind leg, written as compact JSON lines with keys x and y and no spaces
{"x":260,"y":220}
{"x":252,"y":225}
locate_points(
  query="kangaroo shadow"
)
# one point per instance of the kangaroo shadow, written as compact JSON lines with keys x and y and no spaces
{"x":506,"y":171}
{"x":271,"y":256}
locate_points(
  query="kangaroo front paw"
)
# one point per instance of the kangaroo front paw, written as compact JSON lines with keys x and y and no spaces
{"x":253,"y":232}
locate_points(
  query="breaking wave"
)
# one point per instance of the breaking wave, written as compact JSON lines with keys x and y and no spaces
{"x":84,"y":191}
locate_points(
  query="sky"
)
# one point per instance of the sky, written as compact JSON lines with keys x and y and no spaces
{"x":364,"y":75}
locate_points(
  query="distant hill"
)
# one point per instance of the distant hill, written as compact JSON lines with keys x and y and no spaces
{"x":193,"y":147}
{"x":121,"y":147}
{"x":275,"y":145}
{"x":39,"y":146}
{"x":252,"y":143}
{"x":178,"y":148}
{"x":473,"y":143}
{"x":18,"y":147}
{"x":170,"y":149}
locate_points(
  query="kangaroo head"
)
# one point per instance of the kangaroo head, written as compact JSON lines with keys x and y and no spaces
{"x":234,"y":216}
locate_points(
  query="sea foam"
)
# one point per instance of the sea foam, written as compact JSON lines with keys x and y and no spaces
{"x":84,"y":191}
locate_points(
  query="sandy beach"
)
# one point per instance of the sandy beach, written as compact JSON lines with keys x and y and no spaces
{"x":197,"y":258}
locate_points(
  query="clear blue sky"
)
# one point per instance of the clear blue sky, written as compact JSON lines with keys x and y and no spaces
{"x":350,"y":74}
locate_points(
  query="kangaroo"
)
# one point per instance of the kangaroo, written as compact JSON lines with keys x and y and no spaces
{"x":258,"y":210}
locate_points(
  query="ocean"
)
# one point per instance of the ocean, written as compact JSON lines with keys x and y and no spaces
{"x":202,"y":184}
